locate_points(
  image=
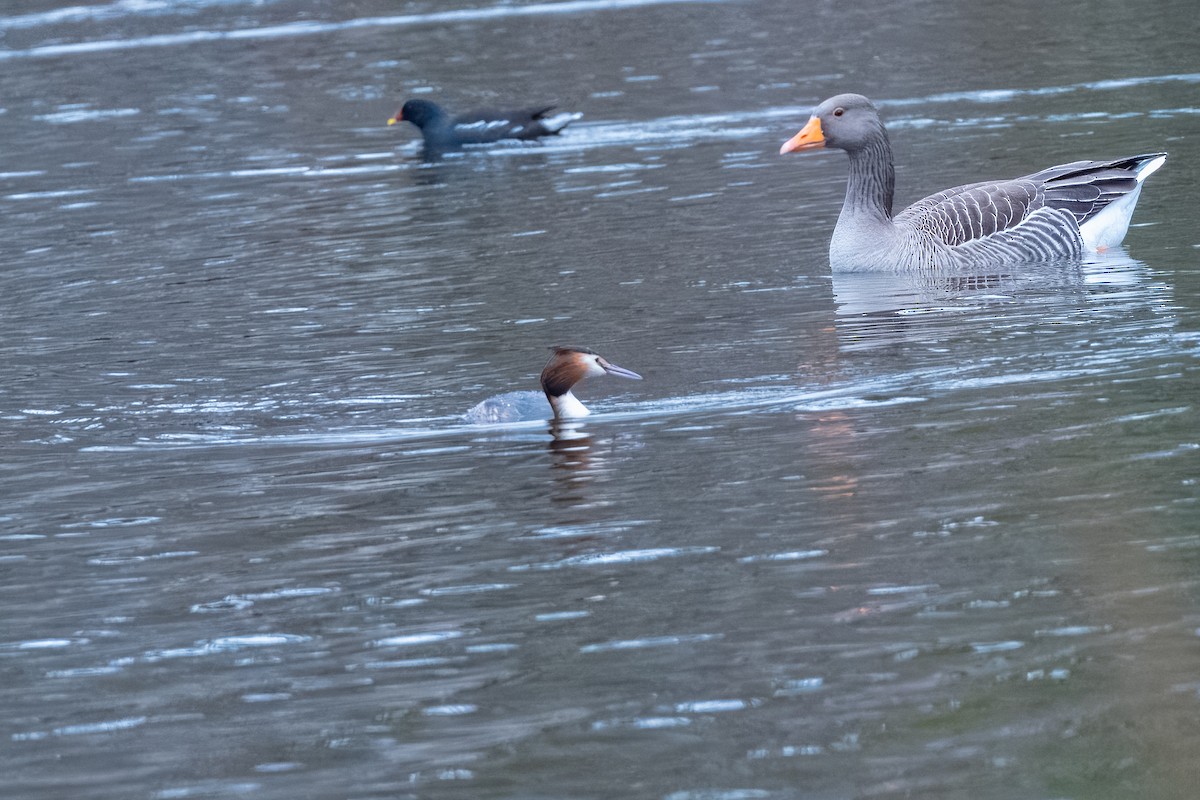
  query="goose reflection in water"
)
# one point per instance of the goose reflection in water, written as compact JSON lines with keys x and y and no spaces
{"x":881,"y":309}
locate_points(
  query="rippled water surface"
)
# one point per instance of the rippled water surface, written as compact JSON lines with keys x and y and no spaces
{"x":852,"y":536}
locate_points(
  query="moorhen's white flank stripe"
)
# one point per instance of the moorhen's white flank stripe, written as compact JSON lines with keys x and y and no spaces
{"x":445,"y":131}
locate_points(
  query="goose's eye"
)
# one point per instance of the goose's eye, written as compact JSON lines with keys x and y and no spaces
{"x":837,"y":112}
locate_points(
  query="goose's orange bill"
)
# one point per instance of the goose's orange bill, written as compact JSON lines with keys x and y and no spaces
{"x":810,"y":137}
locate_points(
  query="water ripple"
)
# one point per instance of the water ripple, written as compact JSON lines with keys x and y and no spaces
{"x":652,"y":641}
{"x":227,"y":644}
{"x":415,"y":639}
{"x":620,"y":557}
{"x":310,"y":28}
{"x":83,"y":729}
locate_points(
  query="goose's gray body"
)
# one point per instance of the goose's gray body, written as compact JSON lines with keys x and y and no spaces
{"x":1057,"y":213}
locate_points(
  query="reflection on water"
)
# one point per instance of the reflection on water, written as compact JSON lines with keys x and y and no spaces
{"x":859,"y":294}
{"x":855,"y":535}
{"x":881,"y":310}
{"x":581,"y":461}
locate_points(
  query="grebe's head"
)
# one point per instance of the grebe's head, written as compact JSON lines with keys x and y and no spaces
{"x":567,"y":367}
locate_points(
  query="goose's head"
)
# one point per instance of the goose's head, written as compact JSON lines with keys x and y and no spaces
{"x":847,"y":122}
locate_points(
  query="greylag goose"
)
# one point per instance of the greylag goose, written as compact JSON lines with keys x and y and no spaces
{"x":567,"y":367}
{"x":445,"y":131}
{"x":1052,"y":214}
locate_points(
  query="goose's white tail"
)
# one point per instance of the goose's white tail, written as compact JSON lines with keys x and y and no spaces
{"x":1108,"y":228}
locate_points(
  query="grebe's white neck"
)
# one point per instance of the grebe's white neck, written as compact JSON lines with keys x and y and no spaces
{"x":567,"y":406}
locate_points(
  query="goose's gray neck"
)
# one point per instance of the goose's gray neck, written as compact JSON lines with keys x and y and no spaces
{"x":872,"y":180}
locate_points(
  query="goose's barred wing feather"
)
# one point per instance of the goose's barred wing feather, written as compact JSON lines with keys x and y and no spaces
{"x":1085,"y":188}
{"x":1045,"y":234}
{"x":1081,"y":189}
{"x":976,"y":211}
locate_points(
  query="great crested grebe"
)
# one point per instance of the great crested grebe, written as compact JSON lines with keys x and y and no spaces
{"x":567,"y":367}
